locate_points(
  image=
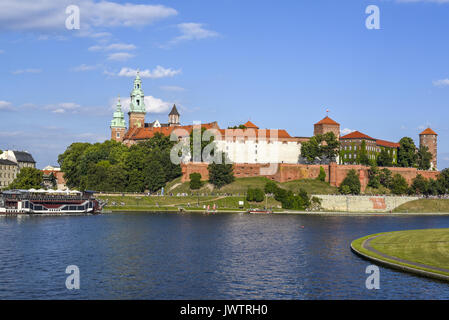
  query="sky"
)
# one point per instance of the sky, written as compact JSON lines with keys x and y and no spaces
{"x":280,"y":64}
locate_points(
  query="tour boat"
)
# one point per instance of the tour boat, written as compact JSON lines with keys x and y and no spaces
{"x":48,"y":202}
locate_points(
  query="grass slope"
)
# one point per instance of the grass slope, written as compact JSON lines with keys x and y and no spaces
{"x":424,"y":205}
{"x":429,"y":247}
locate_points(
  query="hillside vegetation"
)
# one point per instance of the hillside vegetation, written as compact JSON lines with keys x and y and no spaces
{"x":424,"y":205}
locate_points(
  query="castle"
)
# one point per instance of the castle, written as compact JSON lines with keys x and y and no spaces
{"x":252,"y":145}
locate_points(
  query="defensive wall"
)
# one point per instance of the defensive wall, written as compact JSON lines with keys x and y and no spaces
{"x":343,"y":203}
{"x":283,"y":172}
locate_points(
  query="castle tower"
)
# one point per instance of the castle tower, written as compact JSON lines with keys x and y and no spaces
{"x":173,"y":117}
{"x":137,"y":108}
{"x":327,"y":125}
{"x":428,"y":138}
{"x":118,"y":127}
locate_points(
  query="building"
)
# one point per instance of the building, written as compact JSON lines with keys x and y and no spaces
{"x":428,"y":138}
{"x":353,"y":143}
{"x":326,"y":125}
{"x":21,"y":158}
{"x":8,"y":172}
{"x":58,"y":175}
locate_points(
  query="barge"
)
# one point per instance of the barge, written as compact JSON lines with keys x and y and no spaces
{"x":48,"y":202}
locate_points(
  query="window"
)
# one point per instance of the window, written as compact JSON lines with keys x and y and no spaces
{"x":118,"y":134}
{"x":138,"y":102}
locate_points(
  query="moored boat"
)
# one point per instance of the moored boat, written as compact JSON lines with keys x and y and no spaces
{"x":48,"y":202}
{"x":259,"y":211}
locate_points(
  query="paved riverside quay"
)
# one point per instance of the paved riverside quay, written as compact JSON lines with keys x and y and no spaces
{"x":423,"y":252}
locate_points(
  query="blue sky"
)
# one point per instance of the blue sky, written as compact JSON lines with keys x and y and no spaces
{"x":280,"y":64}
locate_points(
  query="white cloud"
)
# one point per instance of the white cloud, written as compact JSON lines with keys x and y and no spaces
{"x":120,"y":56}
{"x":49,"y":15}
{"x":152,"y":104}
{"x":441,"y":83}
{"x":84,"y":67}
{"x":191,"y":31}
{"x":6,"y":106}
{"x":21,"y":71}
{"x":63,"y":107}
{"x":346,"y":131}
{"x":156,"y":73}
{"x":112,"y":47}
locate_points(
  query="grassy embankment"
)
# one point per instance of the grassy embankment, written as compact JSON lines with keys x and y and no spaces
{"x":428,"y":247}
{"x":424,"y":205}
{"x":226,"y":203}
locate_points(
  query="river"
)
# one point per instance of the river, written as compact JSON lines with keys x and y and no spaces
{"x":193,"y":256}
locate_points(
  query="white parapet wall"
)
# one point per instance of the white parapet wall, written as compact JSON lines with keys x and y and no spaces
{"x":362,"y":203}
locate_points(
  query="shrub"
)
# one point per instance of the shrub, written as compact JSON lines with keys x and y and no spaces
{"x":399,"y":185}
{"x":270,"y":187}
{"x":322,"y":175}
{"x":256,"y":195}
{"x":195,"y":181}
{"x":352,"y":182}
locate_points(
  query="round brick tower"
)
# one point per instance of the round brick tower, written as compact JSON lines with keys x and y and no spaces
{"x":428,"y":138}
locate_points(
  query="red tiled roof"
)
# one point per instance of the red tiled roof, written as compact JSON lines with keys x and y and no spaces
{"x":428,"y":131}
{"x":388,"y":144}
{"x":147,"y":133}
{"x":327,"y":120}
{"x":251,"y":125}
{"x":356,"y":135}
{"x":281,"y":134}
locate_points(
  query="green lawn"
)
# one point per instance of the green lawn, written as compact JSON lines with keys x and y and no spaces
{"x":424,"y":205}
{"x":429,"y":247}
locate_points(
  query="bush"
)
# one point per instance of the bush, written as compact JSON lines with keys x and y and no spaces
{"x":270,"y":187}
{"x":195,"y":181}
{"x":322,"y":175}
{"x":256,"y":195}
{"x":399,"y":185}
{"x":352,"y":183}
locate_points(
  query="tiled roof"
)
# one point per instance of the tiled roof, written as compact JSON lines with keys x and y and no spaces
{"x":428,"y":131}
{"x":149,"y":132}
{"x":327,"y":120}
{"x":281,"y":134}
{"x":388,"y":144}
{"x":251,"y":125}
{"x":356,"y":135}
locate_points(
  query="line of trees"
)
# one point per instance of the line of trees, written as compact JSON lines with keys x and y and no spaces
{"x":112,"y":166}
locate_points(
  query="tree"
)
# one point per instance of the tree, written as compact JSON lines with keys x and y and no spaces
{"x":195,"y":181}
{"x":311,"y":149}
{"x":423,"y":158}
{"x":330,"y":148}
{"x":374,"y":177}
{"x":321,"y":145}
{"x":322,"y":175}
{"x":221,"y":174}
{"x":270,"y":187}
{"x":420,"y":185}
{"x":256,"y":195}
{"x":385,"y":177}
{"x":352,"y":181}
{"x":28,"y":178}
{"x":154,"y":176}
{"x":443,"y":181}
{"x":406,"y":152}
{"x":384,"y":159}
{"x":399,"y":185}
{"x":203,"y":143}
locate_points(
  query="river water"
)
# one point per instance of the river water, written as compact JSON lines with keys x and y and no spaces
{"x":193,"y":256}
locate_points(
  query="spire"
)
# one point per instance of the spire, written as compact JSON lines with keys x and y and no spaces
{"x":174,"y":111}
{"x":137,"y":96}
{"x":118,"y":120}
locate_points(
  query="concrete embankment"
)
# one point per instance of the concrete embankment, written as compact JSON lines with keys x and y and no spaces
{"x":362,"y":203}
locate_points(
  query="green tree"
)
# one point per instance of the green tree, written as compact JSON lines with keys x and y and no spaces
{"x":420,"y":185}
{"x":203,"y":143}
{"x":386,"y":177}
{"x":352,"y":181}
{"x":311,"y":149}
{"x":28,"y":178}
{"x":423,"y":158}
{"x":154,"y":176}
{"x":256,"y":195}
{"x":406,"y":152}
{"x":384,"y":159}
{"x":331,"y":146}
{"x":399,"y":185}
{"x":195,"y":181}
{"x":322,"y":174}
{"x":374,"y":177}
{"x":270,"y":187}
{"x":221,"y":174}
{"x":363,"y":155}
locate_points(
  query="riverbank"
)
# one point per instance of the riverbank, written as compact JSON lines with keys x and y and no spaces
{"x":422,"y":252}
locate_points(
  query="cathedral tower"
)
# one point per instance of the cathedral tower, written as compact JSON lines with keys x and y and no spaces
{"x":137,"y":108}
{"x":118,"y":127}
{"x":173,"y":117}
{"x":428,"y":138}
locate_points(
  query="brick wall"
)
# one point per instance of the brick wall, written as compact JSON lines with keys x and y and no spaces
{"x":335,"y":173}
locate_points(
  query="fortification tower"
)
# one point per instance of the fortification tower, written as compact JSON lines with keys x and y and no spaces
{"x":118,"y":127}
{"x":327,"y":125}
{"x":137,"y":108}
{"x":428,"y":138}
